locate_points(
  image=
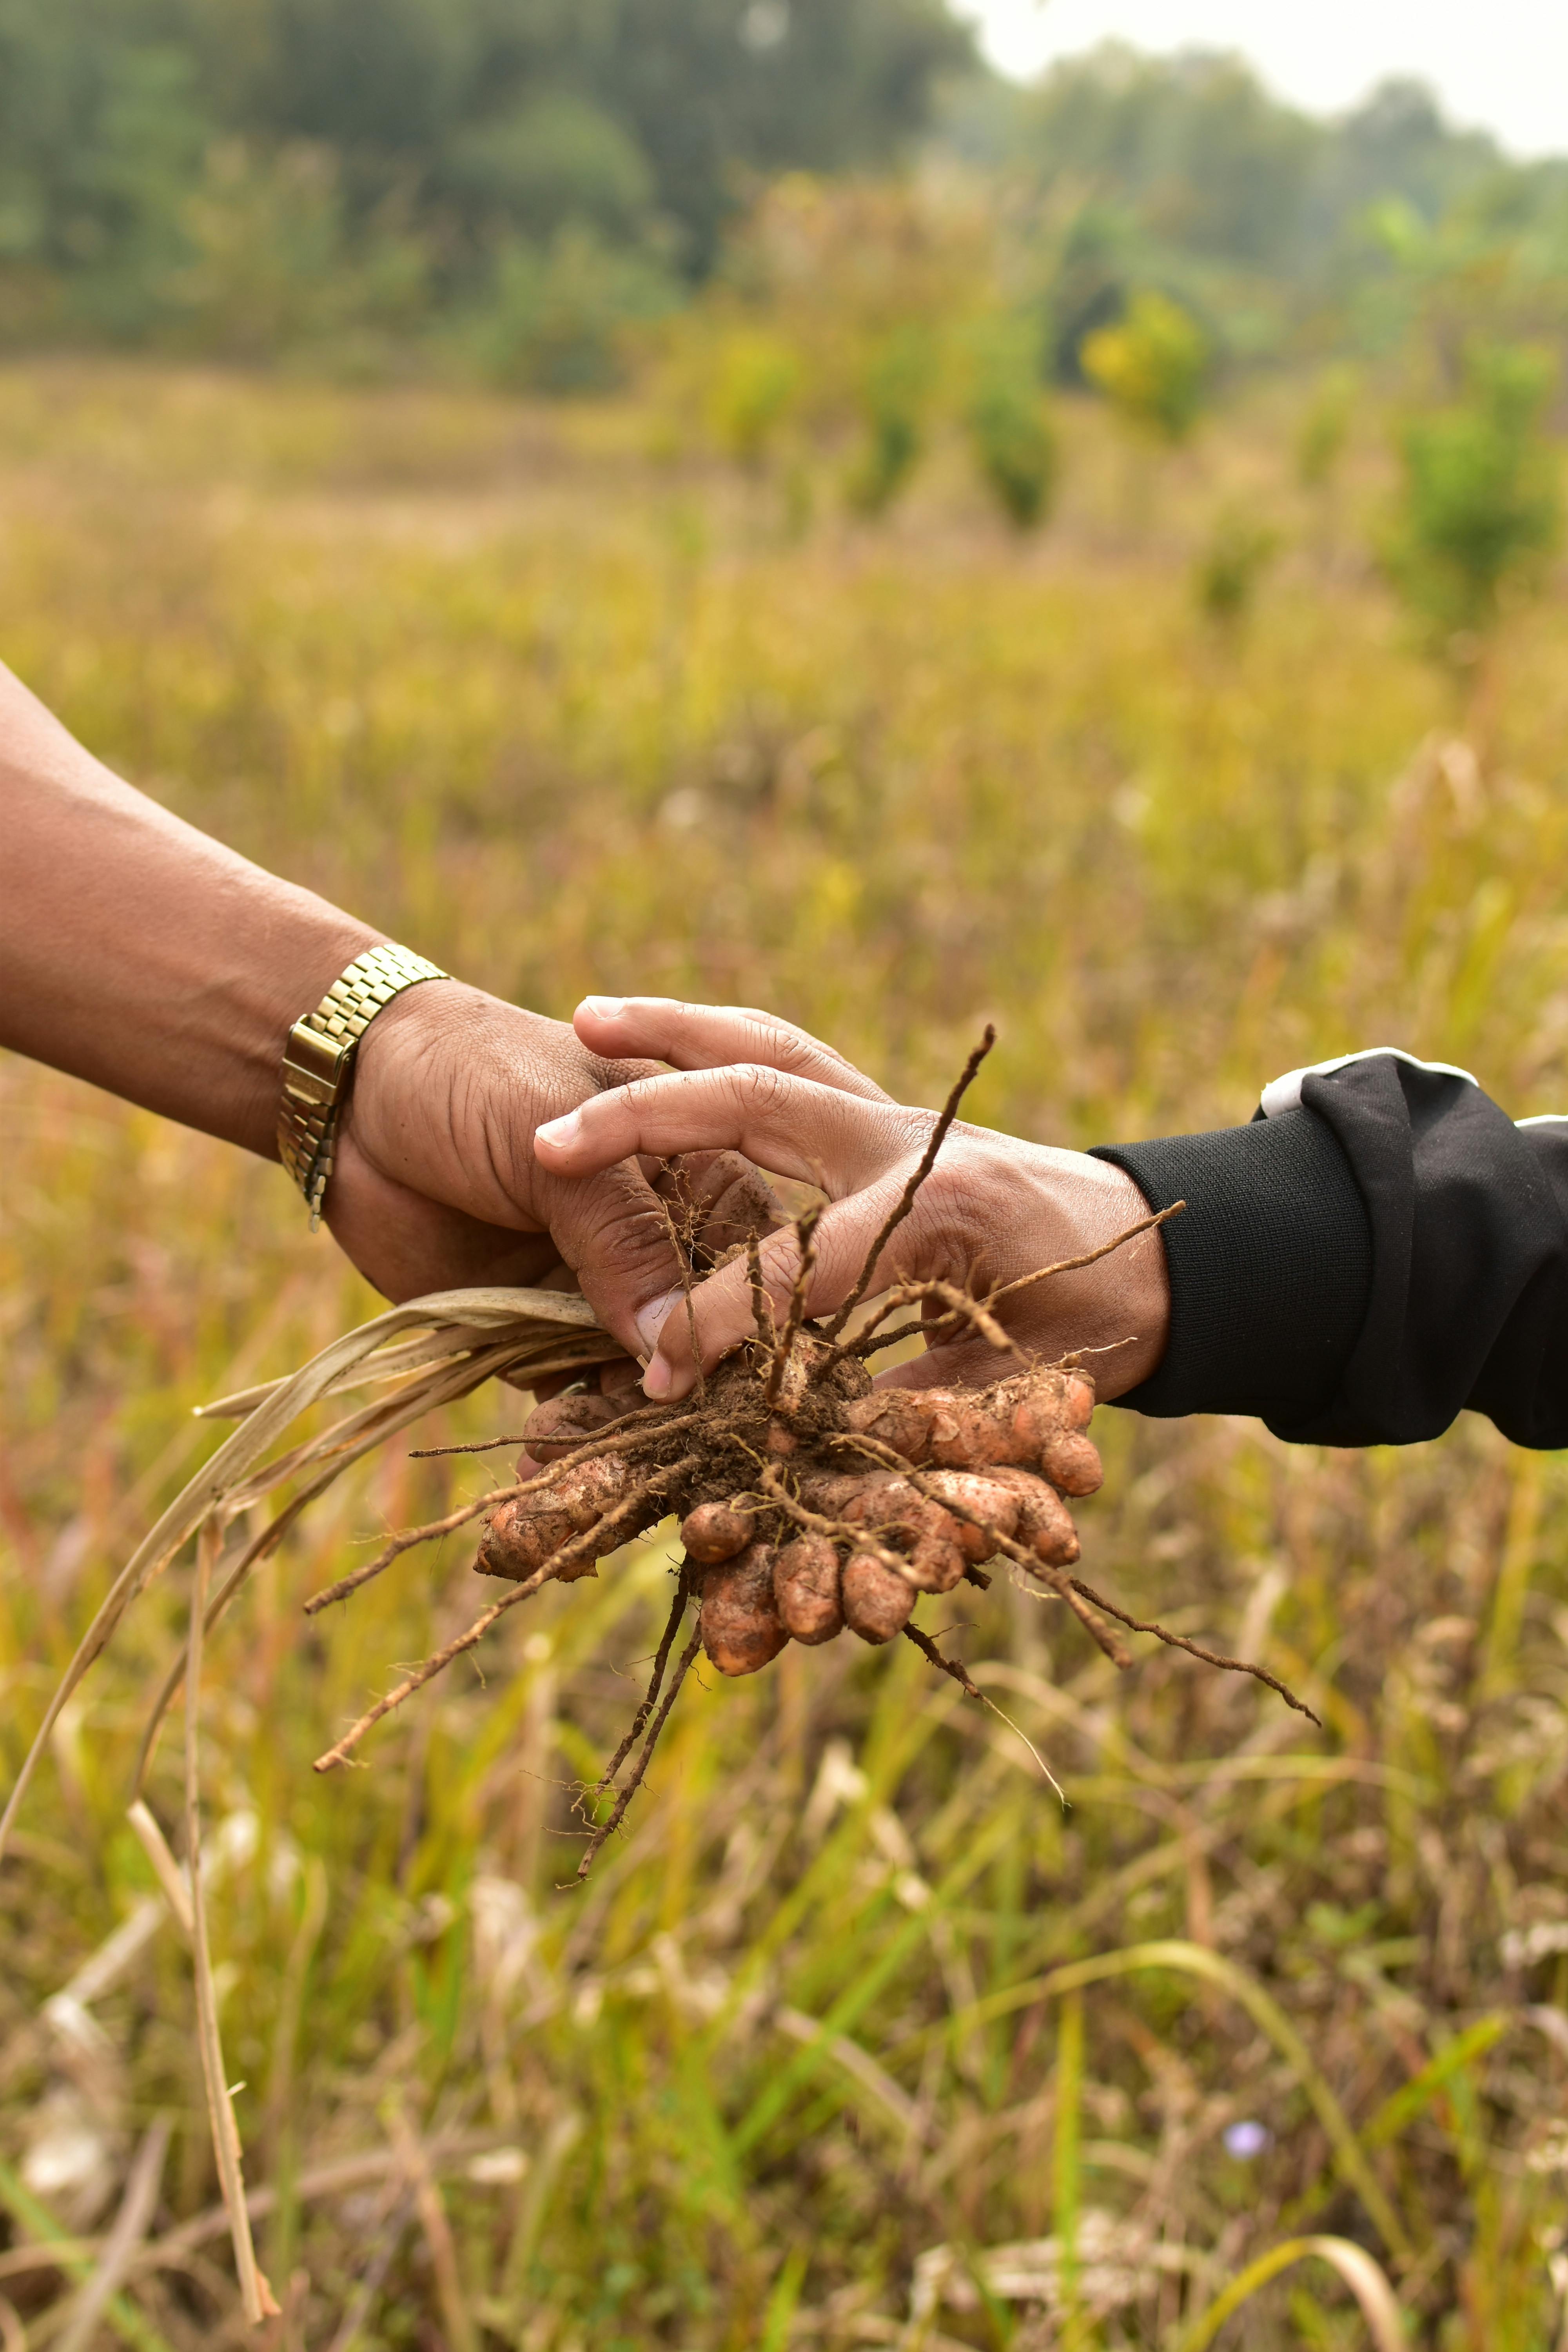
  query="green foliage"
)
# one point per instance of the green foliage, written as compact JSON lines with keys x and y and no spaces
{"x":895,"y":394}
{"x":1185,"y":173}
{"x":755,"y":380}
{"x":1325,"y":429}
{"x":102,"y":132}
{"x":1193,"y":146}
{"x":1230,"y":567}
{"x":476,"y":123}
{"x":555,"y":157}
{"x":1480,"y":510}
{"x":1152,"y":367}
{"x":555,"y":319}
{"x":270,"y":263}
{"x":1009,"y":427}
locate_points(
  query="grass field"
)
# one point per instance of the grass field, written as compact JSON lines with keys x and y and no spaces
{"x":855,"y":2039}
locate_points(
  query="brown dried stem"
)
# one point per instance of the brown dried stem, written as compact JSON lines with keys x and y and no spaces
{"x":1197,"y":1650}
{"x":906,"y":1197}
{"x":256,"y":2294}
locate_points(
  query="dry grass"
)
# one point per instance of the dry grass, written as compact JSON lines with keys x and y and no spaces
{"x":855,"y":2039}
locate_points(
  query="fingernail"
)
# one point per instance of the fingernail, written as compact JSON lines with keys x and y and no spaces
{"x":656,"y":1380}
{"x":560,"y":1132}
{"x":608,"y":1008}
{"x":650,"y":1321}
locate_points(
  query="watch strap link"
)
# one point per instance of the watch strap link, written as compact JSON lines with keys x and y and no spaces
{"x":320,"y":1055}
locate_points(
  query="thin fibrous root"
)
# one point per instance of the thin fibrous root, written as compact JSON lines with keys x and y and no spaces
{"x":906,"y":1200}
{"x":1060,"y":1583}
{"x":406,"y":1541}
{"x":431,"y":1668}
{"x":1090,"y":1257}
{"x":961,"y":1308}
{"x":589,"y":1451}
{"x":928,"y":1649}
{"x":1197,"y":1650}
{"x":607,"y":1828}
{"x":683,"y":1267}
{"x":871,"y":1341}
{"x":661,"y":1659}
{"x":494,"y":1444}
{"x":762,"y":1304}
{"x":804,"y":1227}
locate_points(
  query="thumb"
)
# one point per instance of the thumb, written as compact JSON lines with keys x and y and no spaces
{"x":614,"y":1235}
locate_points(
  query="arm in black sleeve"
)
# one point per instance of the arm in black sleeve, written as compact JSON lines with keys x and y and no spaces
{"x":1382,"y":1247}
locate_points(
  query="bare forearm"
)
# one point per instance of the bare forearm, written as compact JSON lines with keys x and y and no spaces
{"x":138,"y":954}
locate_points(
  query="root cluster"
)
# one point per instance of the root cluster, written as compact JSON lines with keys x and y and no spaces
{"x":810,"y":1501}
{"x":834,"y":1506}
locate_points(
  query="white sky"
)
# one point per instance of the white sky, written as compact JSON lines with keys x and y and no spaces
{"x":1499,"y":64}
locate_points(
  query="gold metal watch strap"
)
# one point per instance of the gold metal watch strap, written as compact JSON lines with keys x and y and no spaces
{"x":320,"y":1055}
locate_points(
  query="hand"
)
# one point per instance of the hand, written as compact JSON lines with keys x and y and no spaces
{"x":993,"y":1210}
{"x":436,"y":1185}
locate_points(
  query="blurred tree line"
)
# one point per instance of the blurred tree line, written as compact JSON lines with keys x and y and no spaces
{"x":521,"y":188}
{"x":252,"y":173}
{"x":1280,"y":233}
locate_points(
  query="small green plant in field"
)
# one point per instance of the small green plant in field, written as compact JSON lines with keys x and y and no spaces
{"x":556,"y":319}
{"x":1152,"y":367}
{"x":1324,"y":431}
{"x":1480,"y":512}
{"x":1009,"y":426}
{"x":1230,"y":567}
{"x":894,"y":399}
{"x":755,"y":380}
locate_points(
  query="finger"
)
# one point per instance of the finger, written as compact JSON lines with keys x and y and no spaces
{"x":704,"y":1036}
{"x":615,"y":1236}
{"x":722,"y":1307}
{"x":787,"y":1125}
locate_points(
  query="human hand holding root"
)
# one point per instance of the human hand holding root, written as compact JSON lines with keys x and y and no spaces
{"x":810,"y":1499}
{"x":991,"y":1212}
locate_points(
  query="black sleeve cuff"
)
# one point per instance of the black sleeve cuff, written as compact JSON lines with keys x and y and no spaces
{"x":1270,"y":1265}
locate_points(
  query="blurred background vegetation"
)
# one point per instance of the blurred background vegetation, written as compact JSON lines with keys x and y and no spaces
{"x":507,"y":185}
{"x":737,"y":501}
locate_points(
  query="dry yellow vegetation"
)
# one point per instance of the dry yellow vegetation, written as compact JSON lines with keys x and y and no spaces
{"x":855,"y":2039}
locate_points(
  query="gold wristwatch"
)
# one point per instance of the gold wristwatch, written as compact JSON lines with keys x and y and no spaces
{"x":319,"y":1055}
